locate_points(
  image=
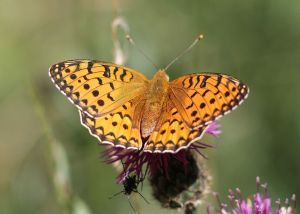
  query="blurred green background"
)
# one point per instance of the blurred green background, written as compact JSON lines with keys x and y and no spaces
{"x":257,"y":41}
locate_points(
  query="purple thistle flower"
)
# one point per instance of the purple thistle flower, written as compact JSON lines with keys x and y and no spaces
{"x":213,"y":129}
{"x":260,"y":203}
{"x":134,"y":160}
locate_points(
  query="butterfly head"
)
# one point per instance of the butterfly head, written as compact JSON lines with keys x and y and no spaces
{"x":160,"y":81}
{"x":161,"y":75}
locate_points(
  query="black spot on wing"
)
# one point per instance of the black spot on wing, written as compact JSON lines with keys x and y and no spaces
{"x":112,"y":86}
{"x":190,"y":106}
{"x":123,"y":74}
{"x":73,"y":76}
{"x":107,"y":71}
{"x":194,"y":94}
{"x":175,"y":112}
{"x":219,"y":79}
{"x":190,"y":82}
{"x":205,"y":92}
{"x":90,"y":66}
{"x":110,"y":97}
{"x":100,"y":81}
{"x":198,"y":80}
{"x":115,"y":72}
{"x":203,"y":83}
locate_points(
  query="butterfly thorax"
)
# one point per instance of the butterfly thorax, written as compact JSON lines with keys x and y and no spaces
{"x":156,"y":95}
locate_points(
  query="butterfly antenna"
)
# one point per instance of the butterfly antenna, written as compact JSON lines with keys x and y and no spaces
{"x":128,"y":37}
{"x":200,"y":37}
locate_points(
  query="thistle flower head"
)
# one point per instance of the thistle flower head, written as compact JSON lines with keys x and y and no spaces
{"x":184,"y":187}
{"x":142,"y":163}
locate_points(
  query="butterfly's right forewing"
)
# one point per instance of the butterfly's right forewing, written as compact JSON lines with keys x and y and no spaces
{"x":203,"y":98}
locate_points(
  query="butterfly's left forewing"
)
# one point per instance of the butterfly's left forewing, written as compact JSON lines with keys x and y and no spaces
{"x":95,"y":87}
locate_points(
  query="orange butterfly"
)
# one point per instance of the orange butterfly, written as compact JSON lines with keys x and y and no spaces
{"x":121,"y":107}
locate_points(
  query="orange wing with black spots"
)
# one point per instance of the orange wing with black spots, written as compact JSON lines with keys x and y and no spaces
{"x":120,"y":127}
{"x":172,"y":133}
{"x":113,"y":100}
{"x":95,"y":87}
{"x":203,"y":98}
{"x":194,"y":101}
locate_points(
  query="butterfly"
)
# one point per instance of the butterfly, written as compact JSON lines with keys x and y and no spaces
{"x":121,"y":107}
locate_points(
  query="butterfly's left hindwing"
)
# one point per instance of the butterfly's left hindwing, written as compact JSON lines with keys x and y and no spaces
{"x":119,"y":128}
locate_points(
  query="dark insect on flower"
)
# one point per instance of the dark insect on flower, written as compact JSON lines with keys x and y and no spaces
{"x":130,"y":185}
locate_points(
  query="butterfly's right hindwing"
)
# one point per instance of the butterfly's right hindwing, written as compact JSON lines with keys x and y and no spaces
{"x":172,"y":133}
